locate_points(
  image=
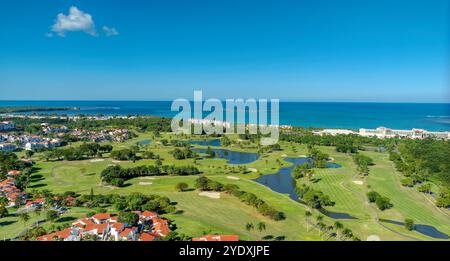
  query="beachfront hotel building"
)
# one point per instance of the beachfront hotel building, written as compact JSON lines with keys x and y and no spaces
{"x":334,"y":132}
{"x":382,"y":132}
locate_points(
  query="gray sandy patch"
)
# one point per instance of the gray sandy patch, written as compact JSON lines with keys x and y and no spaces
{"x":373,"y":238}
{"x":210,"y":194}
{"x":97,"y":160}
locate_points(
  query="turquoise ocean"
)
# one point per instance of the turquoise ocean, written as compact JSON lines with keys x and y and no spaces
{"x":430,"y":116}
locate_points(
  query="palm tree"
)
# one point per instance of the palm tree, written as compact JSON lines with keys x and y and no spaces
{"x":321,"y":227}
{"x":347,"y":232}
{"x":308,"y":215}
{"x":3,"y":201}
{"x":249,"y":226}
{"x":38,"y":211}
{"x":24,"y":217}
{"x":310,"y":174}
{"x":319,"y":218}
{"x":339,"y":227}
{"x":261,"y":227}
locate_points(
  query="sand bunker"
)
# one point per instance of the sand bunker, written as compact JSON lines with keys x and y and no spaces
{"x":97,"y":160}
{"x":116,"y":161}
{"x":252,"y":169}
{"x":210,"y":194}
{"x":145,"y":183}
{"x":284,"y":155}
{"x":358,"y":182}
{"x":373,"y":238}
{"x":146,"y":178}
{"x":233,"y":178}
{"x":302,"y":156}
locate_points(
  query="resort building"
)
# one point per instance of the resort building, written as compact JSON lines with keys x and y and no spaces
{"x":382,"y":132}
{"x":47,"y":143}
{"x":7,"y":147}
{"x":334,"y":132}
{"x":105,"y":227}
{"x":7,"y":126}
{"x":47,"y":128}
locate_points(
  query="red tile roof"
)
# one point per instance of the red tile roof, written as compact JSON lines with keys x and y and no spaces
{"x":99,"y":227}
{"x":217,"y":238}
{"x":83,"y":222}
{"x":126,"y":232}
{"x":146,"y":237}
{"x":63,"y":234}
{"x":149,"y":214}
{"x":118,"y":226}
{"x":101,"y":216}
{"x":14,"y":172}
{"x":161,"y":227}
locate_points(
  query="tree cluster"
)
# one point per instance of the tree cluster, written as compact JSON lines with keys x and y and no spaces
{"x":205,"y":184}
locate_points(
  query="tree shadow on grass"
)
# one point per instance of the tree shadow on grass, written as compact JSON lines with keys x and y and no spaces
{"x":37,"y":186}
{"x":65,"y":219}
{"x":36,"y":178}
{"x":35,"y":169}
{"x":6,"y":223}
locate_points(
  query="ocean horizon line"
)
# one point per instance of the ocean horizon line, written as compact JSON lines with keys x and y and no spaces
{"x":190,"y":100}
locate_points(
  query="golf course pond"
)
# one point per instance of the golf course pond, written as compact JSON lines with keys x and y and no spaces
{"x":283,"y":182}
{"x":423,"y":229}
{"x":212,"y":143}
{"x":232,"y":157}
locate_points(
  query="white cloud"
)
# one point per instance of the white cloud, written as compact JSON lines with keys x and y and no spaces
{"x":76,"y":20}
{"x":110,"y":31}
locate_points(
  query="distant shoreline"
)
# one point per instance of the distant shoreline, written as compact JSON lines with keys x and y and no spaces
{"x":19,"y":109}
{"x":281,"y":101}
{"x":337,"y":115}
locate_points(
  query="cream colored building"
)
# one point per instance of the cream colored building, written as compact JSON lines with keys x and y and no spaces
{"x":382,"y":132}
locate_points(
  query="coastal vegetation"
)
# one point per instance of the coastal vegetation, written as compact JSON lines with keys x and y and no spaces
{"x":18,"y":109}
{"x":422,"y":162}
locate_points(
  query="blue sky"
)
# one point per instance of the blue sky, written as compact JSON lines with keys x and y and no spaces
{"x":294,"y":50}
